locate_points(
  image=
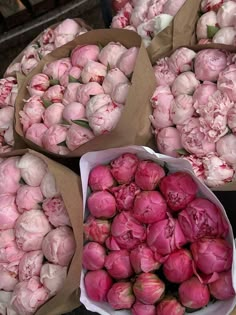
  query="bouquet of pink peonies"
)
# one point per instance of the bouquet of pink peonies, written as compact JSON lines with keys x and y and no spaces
{"x":157,"y":240}
{"x":194,"y":111}
{"x":83,"y":95}
{"x":39,"y":235}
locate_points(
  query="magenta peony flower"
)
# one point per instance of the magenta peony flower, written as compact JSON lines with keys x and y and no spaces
{"x":94,"y":256}
{"x":124,"y":167}
{"x":142,"y":259}
{"x":111,"y":243}
{"x":139,"y":308}
{"x":170,"y":306}
{"x":100,"y":178}
{"x":120,"y":296}
{"x":222,"y":288}
{"x":96,"y":230}
{"x":102,"y":204}
{"x":117,"y":264}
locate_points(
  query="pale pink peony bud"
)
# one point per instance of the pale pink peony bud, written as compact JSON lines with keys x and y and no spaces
{"x":170,"y":306}
{"x":124,"y":167}
{"x":10,"y":253}
{"x":211,"y":5}
{"x":111,"y":53}
{"x":164,"y":75}
{"x":70,"y":94}
{"x":48,"y":186}
{"x":28,"y":198}
{"x":45,"y":50}
{"x":77,"y":136}
{"x":73,"y":111}
{"x":117,"y":264}
{"x":118,"y":5}
{"x":54,"y":94}
{"x":185,"y":83}
{"x":139,"y":13}
{"x":7,"y":87}
{"x":148,"y":175}
{"x":231,"y":119}
{"x":203,"y":92}
{"x":38,"y":84}
{"x":93,"y":71}
{"x":102,"y":204}
{"x":34,"y":109}
{"x":68,"y":26}
{"x":27,"y":65}
{"x":125,"y":195}
{"x":86,"y":91}
{"x":155,"y":9}
{"x":193,"y":294}
{"x":63,"y":39}
{"x":96,"y":230}
{"x":120,"y":296}
{"x":181,"y":109}
{"x":119,"y":21}
{"x":127,"y":231}
{"x":226,"y":148}
{"x":82,"y":54}
{"x":53,"y":114}
{"x":168,"y":141}
{"x":148,"y":288}
{"x":226,"y":81}
{"x":142,"y":259}
{"x":111,"y":243}
{"x":205,"y":21}
{"x":97,"y":284}
{"x":127,"y":61}
{"x":6,"y":117}
{"x":8,"y":213}
{"x":35,"y":133}
{"x":209,"y":63}
{"x":171,"y":7}
{"x":226,"y":13}
{"x":212,"y":255}
{"x":54,"y":208}
{"x":53,"y":137}
{"x":100,"y":178}
{"x":12,"y":69}
{"x":139,"y":308}
{"x":59,"y":246}
{"x":56,"y":69}
{"x":47,"y":37}
{"x":197,"y":166}
{"x":165,"y":236}
{"x":222,"y":288}
{"x":93,"y":256}
{"x":112,"y":79}
{"x":28,"y":296}
{"x":53,"y":277}
{"x":30,"y":229}
{"x":202,"y":218}
{"x":181,"y":60}
{"x":9,"y":276}
{"x":30,"y":265}
{"x":120,"y":93}
{"x":71,"y":75}
{"x":9,"y":176}
{"x":179,"y":266}
{"x":226,"y":35}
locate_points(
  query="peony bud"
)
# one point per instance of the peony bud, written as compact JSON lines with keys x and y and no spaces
{"x":120,"y":296}
{"x":56,"y":69}
{"x":48,"y":186}
{"x":93,"y":256}
{"x":226,"y":14}
{"x":34,"y":109}
{"x":124,"y":167}
{"x":111,"y":243}
{"x":30,"y":265}
{"x":222,"y":288}
{"x":38,"y":84}
{"x":77,"y":135}
{"x":226,"y":148}
{"x":102,"y":204}
{"x":231,"y":116}
{"x":181,"y":109}
{"x":226,"y":81}
{"x":35,"y":133}
{"x":96,"y":230}
{"x":93,"y":72}
{"x":85,"y":91}
{"x":27,"y":65}
{"x":111,"y":53}
{"x":120,"y":93}
{"x":47,"y":37}
{"x":205,"y":21}
{"x":70,"y":94}
{"x":170,"y":306}
{"x":117,"y":264}
{"x":197,"y":166}
{"x":53,"y":277}
{"x":6,"y":117}
{"x":181,"y":60}
{"x":9,"y":213}
{"x":100,"y":178}
{"x":55,"y":210}
{"x":54,"y":94}
{"x":53,"y":114}
{"x":72,"y":74}
{"x":9,"y":176}
{"x":8,"y":276}
{"x":185,"y":83}
{"x":112,"y":79}
{"x":203,"y":92}
{"x":164,"y":75}
{"x":8,"y":89}
{"x":73,"y":111}
{"x":139,"y":308}
{"x":127,"y":61}
{"x":53,"y":137}
{"x":28,"y":198}
{"x":226,"y":36}
{"x":82,"y":54}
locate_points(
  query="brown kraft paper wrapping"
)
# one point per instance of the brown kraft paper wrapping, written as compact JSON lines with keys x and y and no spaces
{"x":134,"y":126}
{"x":230,"y":186}
{"x":180,"y":31}
{"x":68,"y":183}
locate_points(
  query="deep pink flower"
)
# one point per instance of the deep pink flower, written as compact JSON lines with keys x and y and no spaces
{"x":96,"y":230}
{"x":124,"y":167}
{"x":117,"y":264}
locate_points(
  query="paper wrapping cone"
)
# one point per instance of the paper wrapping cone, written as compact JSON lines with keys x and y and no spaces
{"x":134,"y":126}
{"x":69,"y":185}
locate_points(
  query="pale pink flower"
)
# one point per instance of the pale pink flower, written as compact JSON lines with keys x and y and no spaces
{"x":72,"y":74}
{"x":6,"y":117}
{"x":53,"y":137}
{"x":93,"y":71}
{"x":211,"y":5}
{"x":171,"y":7}
{"x":231,"y":119}
{"x":139,"y":13}
{"x":55,"y":210}
{"x":9,"y":213}
{"x":53,"y":114}
{"x":45,"y":50}
{"x":181,"y":109}
{"x":203,"y":92}
{"x":111,"y":53}
{"x":206,"y":20}
{"x":185,"y":83}
{"x":73,"y":111}
{"x":127,"y":61}
{"x":32,"y":111}
{"x":48,"y":186}
{"x":120,"y":93}
{"x":54,"y":94}
{"x":83,"y":53}
{"x":77,"y":136}
{"x":35,"y":133}
{"x":169,"y":141}
{"x":30,"y":265}
{"x":13,"y":69}
{"x":197,"y":165}
{"x":28,"y":198}
{"x":7,"y":86}
{"x":164,"y":75}
{"x":88,"y":90}
{"x":226,"y":82}
{"x":53,"y":277}
{"x":155,"y":9}
{"x":9,"y":175}
{"x":55,"y":69}
{"x":27,"y":65}
{"x":9,"y":275}
{"x":112,"y":79}
{"x":68,"y":26}
{"x":226,"y":148}
{"x":226,"y":13}
{"x":226,"y":35}
{"x":181,"y":60}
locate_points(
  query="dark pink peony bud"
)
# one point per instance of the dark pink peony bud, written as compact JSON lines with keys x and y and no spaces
{"x":125,"y":195}
{"x":222,"y":289}
{"x":94,"y":256}
{"x":149,"y":207}
{"x":170,"y":306}
{"x":97,"y":284}
{"x":102,"y":204}
{"x":165,"y":236}
{"x":127,"y":231}
{"x":193,"y":294}
{"x":179,"y":266}
{"x":179,"y":189}
{"x":118,"y":265}
{"x":100,"y":178}
{"x":124,"y":167}
{"x":142,"y":259}
{"x":148,"y":288}
{"x":96,"y":230}
{"x":202,"y":218}
{"x":120,"y":296}
{"x":111,"y":243}
{"x":148,"y":175}
{"x":143,"y":309}
{"x":212,"y":255}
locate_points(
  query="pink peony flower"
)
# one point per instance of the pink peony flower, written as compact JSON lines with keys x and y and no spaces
{"x":59,"y":246}
{"x":93,"y":71}
{"x":45,"y":50}
{"x":77,"y":136}
{"x":171,"y":7}
{"x":54,"y":94}
{"x":201,"y":218}
{"x":155,"y":9}
{"x":231,"y":119}
{"x":168,"y":141}
{"x":202,"y":93}
{"x":170,"y":306}
{"x":185,"y":83}
{"x":8,"y":89}
{"x":119,"y":21}
{"x":33,"y":109}
{"x":53,"y":277}
{"x":27,"y":65}
{"x":38,"y":84}
{"x":211,"y":5}
{"x":30,"y":265}
{"x":124,"y":167}
{"x":209,"y":63}
{"x":70,"y":94}
{"x":48,"y":186}
{"x":47,"y":37}
{"x":226,"y":13}
{"x":6,"y":117}
{"x":28,"y":198}
{"x":205,"y":21}
{"x":193,"y":294}
{"x":179,"y":266}
{"x":120,"y":93}
{"x":127,"y":61}
{"x":181,"y":60}
{"x":83,"y":53}
{"x":53,"y":114}
{"x":181,"y":109}
{"x":118,"y":5}
{"x":226,"y":148}
{"x":9,"y":252}
{"x":148,"y":288}
{"x":86,"y":91}
{"x":148,"y":175}
{"x":73,"y":111}
{"x":96,"y":230}
{"x":9,"y":176}
{"x":71,"y":75}
{"x":139,"y":13}
{"x":164,"y":75}
{"x":142,"y":259}
{"x":111,"y":53}
{"x":127,"y":231}
{"x":8,"y":213}
{"x":222,"y":288}
{"x":35,"y":133}
{"x":100,"y":178}
{"x":139,"y":308}
{"x":102,"y":204}
{"x":226,"y":81}
{"x":117,"y":264}
{"x":197,"y":165}
{"x":56,"y":69}
{"x":111,"y":243}
{"x":112,"y":79}
{"x":226,"y":35}
{"x":53,"y":137}
{"x":97,"y":284}
{"x":55,"y":210}
{"x":8,"y":276}
{"x":120,"y":296}
{"x":94,"y":256}
{"x":68,"y":26}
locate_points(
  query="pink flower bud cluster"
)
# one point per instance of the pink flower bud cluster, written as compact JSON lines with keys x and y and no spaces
{"x":75,"y":99}
{"x":36,"y":239}
{"x":194,"y":111}
{"x":147,"y":231}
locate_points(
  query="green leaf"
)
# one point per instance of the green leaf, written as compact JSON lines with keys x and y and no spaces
{"x":108,"y":67}
{"x":165,"y":166}
{"x":211,"y":31}
{"x":82,"y":123}
{"x":72,"y":79}
{"x":22,"y":181}
{"x":46,"y":103}
{"x":40,"y":55}
{"x":62,"y":144}
{"x":54,"y":82}
{"x":65,"y":122}
{"x":182,"y":151}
